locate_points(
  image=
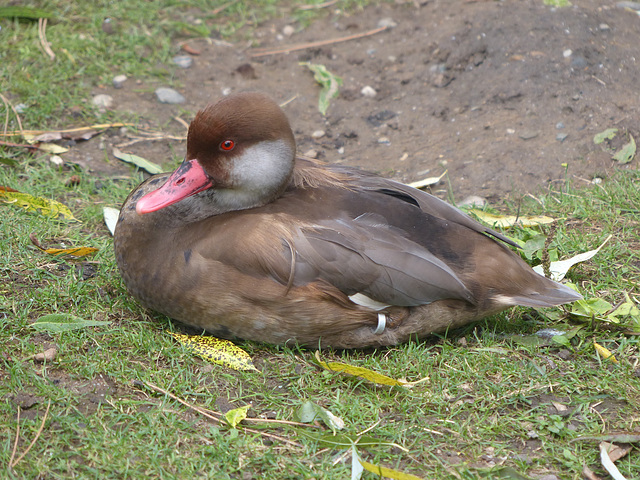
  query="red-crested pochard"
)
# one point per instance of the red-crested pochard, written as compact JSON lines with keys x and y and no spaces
{"x":247,"y":241}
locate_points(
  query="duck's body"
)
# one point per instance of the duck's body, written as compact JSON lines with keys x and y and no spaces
{"x":262,"y":247}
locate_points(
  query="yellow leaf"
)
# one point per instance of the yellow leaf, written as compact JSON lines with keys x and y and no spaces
{"x":74,"y":252}
{"x":235,"y":416}
{"x":216,"y":350}
{"x":505,"y":221}
{"x":425,"y":182}
{"x":388,"y":472}
{"x":604,"y":352}
{"x":43,"y":206}
{"x":365,"y":373}
{"x":52,"y":148}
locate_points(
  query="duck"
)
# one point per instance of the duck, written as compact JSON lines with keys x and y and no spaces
{"x":248,"y":240}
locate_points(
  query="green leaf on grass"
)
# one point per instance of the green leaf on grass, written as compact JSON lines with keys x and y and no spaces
{"x":43,"y":206}
{"x":627,"y":152}
{"x":235,"y":416}
{"x":139,"y":162}
{"x":557,"y":3}
{"x":330,"y":84}
{"x":216,"y":350}
{"x":309,"y":411}
{"x":16,"y":11}
{"x":63,"y":322}
{"x":608,"y":134}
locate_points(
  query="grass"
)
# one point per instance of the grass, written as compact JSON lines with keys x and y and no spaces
{"x":491,"y":401}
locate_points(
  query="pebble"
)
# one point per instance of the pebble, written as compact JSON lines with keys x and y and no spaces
{"x":559,"y":125}
{"x":387,"y":22}
{"x":183,"y":61}
{"x":288,"y":30}
{"x":603,"y":27}
{"x":384,"y":141}
{"x":169,"y":95}
{"x":21,"y":107}
{"x":102,"y":100}
{"x":226,"y":91}
{"x":561,"y":137}
{"x":528,"y":134}
{"x":368,"y":91}
{"x":341,"y":150}
{"x":311,"y":153}
{"x":473,"y":201}
{"x":56,"y":160}
{"x":318,"y":134}
{"x":510,"y":131}
{"x":118,"y":81}
{"x":579,"y":62}
{"x":567,"y":53}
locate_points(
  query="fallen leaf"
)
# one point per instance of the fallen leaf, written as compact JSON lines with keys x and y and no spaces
{"x":604,"y":352}
{"x":627,"y":152}
{"x":356,"y":464}
{"x":49,"y":355}
{"x":139,"y":162}
{"x":235,"y":416}
{"x":43,"y":206}
{"x":75,"y":251}
{"x":425,"y":182}
{"x":330,"y":84}
{"x":63,"y":322}
{"x":365,"y":373}
{"x":17,"y":11}
{"x":388,"y":472}
{"x":607,"y":463}
{"x":608,"y":134}
{"x":216,"y":350}
{"x":505,"y":221}
{"x":309,"y":411}
{"x":622,"y":437}
{"x":52,"y":148}
{"x":560,"y":268}
{"x":111,"y":218}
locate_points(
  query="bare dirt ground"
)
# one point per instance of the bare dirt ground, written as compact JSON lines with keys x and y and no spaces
{"x":481,"y":89}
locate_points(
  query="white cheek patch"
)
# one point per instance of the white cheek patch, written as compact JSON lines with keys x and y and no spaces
{"x":263,"y":165}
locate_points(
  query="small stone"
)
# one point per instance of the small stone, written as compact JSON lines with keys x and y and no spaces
{"x":567,"y":53}
{"x":288,"y":30}
{"x":532,"y":434}
{"x":387,"y":22}
{"x":183,"y":61}
{"x":473,"y":201}
{"x":559,"y":125}
{"x":579,"y":63}
{"x":384,"y":141}
{"x":310,"y":153}
{"x":561,"y":137}
{"x":603,"y":27}
{"x":510,"y":131}
{"x":341,"y":150}
{"x":318,"y":134}
{"x":56,"y":160}
{"x":226,"y":91}
{"x":118,"y":81}
{"x":169,"y":95}
{"x":21,"y":107}
{"x":49,"y":355}
{"x":528,"y":134}
{"x":596,"y":180}
{"x":247,"y":71}
{"x":102,"y":100}
{"x":368,"y":91}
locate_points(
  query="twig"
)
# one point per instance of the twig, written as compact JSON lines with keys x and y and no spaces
{"x":7,"y":105}
{"x":68,"y":130}
{"x":263,"y":52}
{"x":35,"y":439}
{"x":151,"y":139}
{"x":15,"y":443}
{"x":218,"y":416}
{"x":20,"y":145}
{"x":319,"y":6}
{"x":181,"y":122}
{"x":42,"y":25}
{"x":222,"y":7}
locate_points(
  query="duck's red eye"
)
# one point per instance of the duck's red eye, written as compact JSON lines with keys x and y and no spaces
{"x":227,"y":145}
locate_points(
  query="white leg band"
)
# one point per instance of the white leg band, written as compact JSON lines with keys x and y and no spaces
{"x":382,"y":323}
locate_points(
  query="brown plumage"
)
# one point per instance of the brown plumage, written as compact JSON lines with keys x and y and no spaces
{"x":245,"y":241}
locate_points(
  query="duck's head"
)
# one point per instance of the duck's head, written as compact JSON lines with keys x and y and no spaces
{"x":240,"y":154}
